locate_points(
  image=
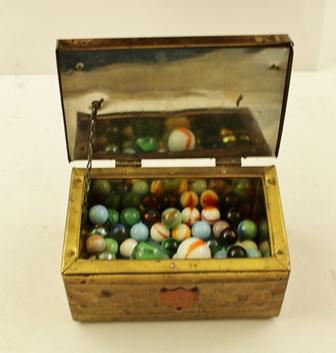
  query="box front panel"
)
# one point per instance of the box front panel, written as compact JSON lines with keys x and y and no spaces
{"x":105,"y":298}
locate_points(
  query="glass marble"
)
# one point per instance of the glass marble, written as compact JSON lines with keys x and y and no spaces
{"x":189,"y":199}
{"x":229,"y":200}
{"x":170,"y":185}
{"x":151,"y":217}
{"x":247,"y":229}
{"x":112,"y":200}
{"x":98,"y":214}
{"x":126,"y":248}
{"x":171,"y":217}
{"x":122,"y":188}
{"x":119,"y":232}
{"x":146,"y":144}
{"x":159,"y":232}
{"x":129,"y":216}
{"x":95,"y":244}
{"x":253,"y":253}
{"x":201,"y":229}
{"x":176,"y":122}
{"x":236,"y":251}
{"x":208,"y":198}
{"x":222,"y":254}
{"x":170,"y":246}
{"x":139,"y":232}
{"x":264,"y":248}
{"x":198,"y":186}
{"x":190,"y":215}
{"x":150,"y":201}
{"x":99,"y":230}
{"x":214,"y":245}
{"x":113,"y":215}
{"x":148,"y":250}
{"x":112,"y":148}
{"x":140,"y":187}
{"x":156,"y":187}
{"x":181,"y":232}
{"x":181,"y":139}
{"x":130,"y":199}
{"x":193,"y":248}
{"x":106,"y":255}
{"x":232,"y":215}
{"x":248,"y":244}
{"x":111,"y":245}
{"x":243,"y":188}
{"x":228,"y":236}
{"x":218,"y":227}
{"x":263,"y":230}
{"x":210,"y":214}
{"x":100,"y":187}
{"x":169,"y":200}
{"x":217,"y":185}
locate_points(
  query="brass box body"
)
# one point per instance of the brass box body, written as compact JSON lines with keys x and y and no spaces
{"x":176,"y":289}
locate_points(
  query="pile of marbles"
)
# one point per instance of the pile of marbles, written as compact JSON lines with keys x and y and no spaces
{"x":175,"y":218}
{"x":172,"y":134}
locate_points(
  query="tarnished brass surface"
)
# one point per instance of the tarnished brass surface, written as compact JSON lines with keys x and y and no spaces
{"x":279,"y":261}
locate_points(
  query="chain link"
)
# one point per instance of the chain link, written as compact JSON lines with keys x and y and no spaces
{"x":96,"y":105}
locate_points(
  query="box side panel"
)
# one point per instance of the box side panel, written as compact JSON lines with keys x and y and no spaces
{"x":181,"y":297}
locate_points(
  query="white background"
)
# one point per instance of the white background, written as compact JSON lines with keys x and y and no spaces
{"x":35,"y":175}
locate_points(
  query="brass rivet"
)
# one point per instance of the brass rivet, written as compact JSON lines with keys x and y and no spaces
{"x":279,"y":252}
{"x":172,"y":265}
{"x":71,"y":253}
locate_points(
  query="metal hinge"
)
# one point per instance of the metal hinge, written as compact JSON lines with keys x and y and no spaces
{"x":228,"y":162}
{"x":128,"y":164}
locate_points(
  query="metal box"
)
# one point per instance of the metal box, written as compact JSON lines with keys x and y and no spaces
{"x":231,"y":94}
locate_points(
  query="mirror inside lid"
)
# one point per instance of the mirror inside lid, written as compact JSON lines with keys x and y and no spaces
{"x":175,"y":97}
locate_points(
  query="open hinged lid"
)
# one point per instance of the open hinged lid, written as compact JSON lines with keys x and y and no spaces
{"x":227,"y":94}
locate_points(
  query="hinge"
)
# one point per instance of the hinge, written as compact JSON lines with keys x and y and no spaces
{"x":228,"y":162}
{"x":128,"y":164}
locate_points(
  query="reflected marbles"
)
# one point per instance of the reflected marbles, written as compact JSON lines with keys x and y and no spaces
{"x":181,"y":139}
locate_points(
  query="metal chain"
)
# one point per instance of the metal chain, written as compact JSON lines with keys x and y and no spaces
{"x":95,"y":106}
